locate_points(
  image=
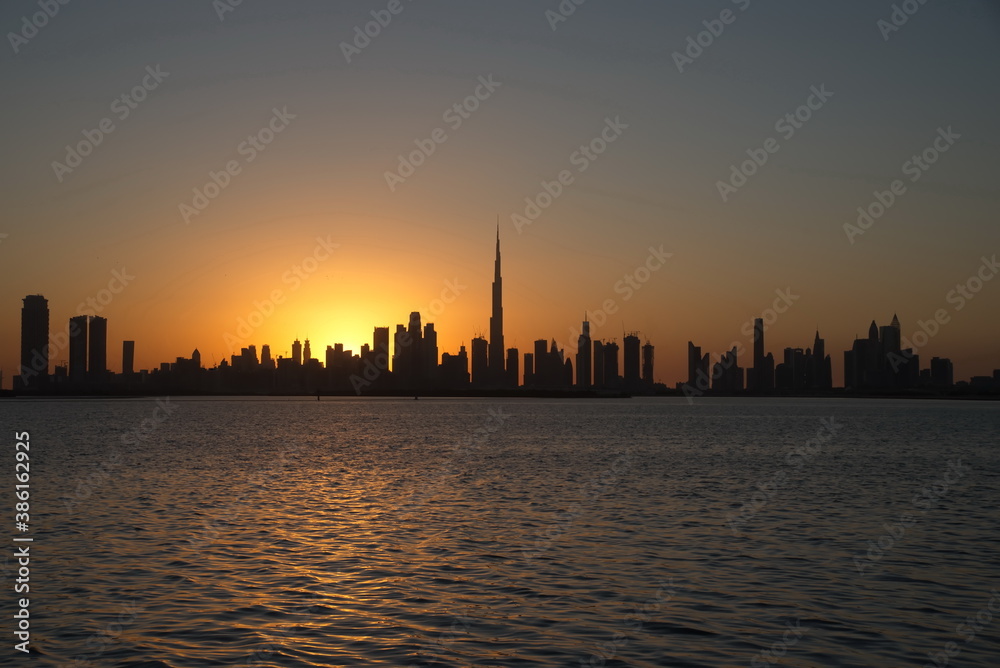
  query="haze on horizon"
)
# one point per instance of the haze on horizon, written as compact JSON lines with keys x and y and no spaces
{"x":383,"y":246}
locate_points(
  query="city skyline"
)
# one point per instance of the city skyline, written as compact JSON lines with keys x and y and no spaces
{"x":884,"y":360}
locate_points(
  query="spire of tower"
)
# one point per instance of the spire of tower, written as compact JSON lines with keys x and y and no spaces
{"x":497,"y":267}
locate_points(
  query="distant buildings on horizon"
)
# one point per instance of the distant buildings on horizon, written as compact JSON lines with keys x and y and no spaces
{"x":413,"y":365}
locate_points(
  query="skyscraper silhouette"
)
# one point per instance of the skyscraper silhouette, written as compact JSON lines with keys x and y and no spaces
{"x":78,"y":348}
{"x":128,"y":357}
{"x":380,"y":341}
{"x":631,"y":360}
{"x":694,"y":364}
{"x":513,"y":368}
{"x":760,"y":377}
{"x":611,"y":376}
{"x":97,"y":359}
{"x":480,"y":363}
{"x":584,"y":357}
{"x":496,"y":348}
{"x":647,"y":364}
{"x":34,"y":343}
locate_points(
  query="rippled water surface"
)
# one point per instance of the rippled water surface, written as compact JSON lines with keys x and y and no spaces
{"x":643,"y":532}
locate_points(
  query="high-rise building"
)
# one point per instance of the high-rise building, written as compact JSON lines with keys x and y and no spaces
{"x":560,"y":368}
{"x":411,"y":353}
{"x":611,"y":377}
{"x":584,"y":357}
{"x":296,"y":352}
{"x":760,"y":377}
{"x":942,"y":372}
{"x":34,"y":343}
{"x":727,"y":375}
{"x":454,"y":371}
{"x":879,"y":362}
{"x":128,"y":358}
{"x":480,"y":362}
{"x":97,"y":359}
{"x":599,"y":364}
{"x":529,"y":369}
{"x":307,"y":353}
{"x":632,"y":360}
{"x":694,"y":364}
{"x":541,"y":374}
{"x":400,"y":342}
{"x":496,"y":348}
{"x":513,"y":367}
{"x":78,"y":348}
{"x":429,"y":353}
{"x":265,"y":357}
{"x":647,"y":364}
{"x":820,"y":366}
{"x":380,"y":340}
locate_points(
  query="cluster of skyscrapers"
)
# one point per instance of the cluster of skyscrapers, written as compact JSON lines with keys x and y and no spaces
{"x":86,"y":339}
{"x":879,"y":362}
{"x":800,"y":370}
{"x":408,"y":361}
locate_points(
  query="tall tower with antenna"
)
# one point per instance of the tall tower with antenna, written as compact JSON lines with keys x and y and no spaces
{"x":496,"y":347}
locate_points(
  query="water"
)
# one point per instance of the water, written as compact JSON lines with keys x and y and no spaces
{"x":216,"y":532}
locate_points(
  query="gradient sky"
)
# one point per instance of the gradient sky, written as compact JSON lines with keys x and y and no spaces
{"x":324,"y":175}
